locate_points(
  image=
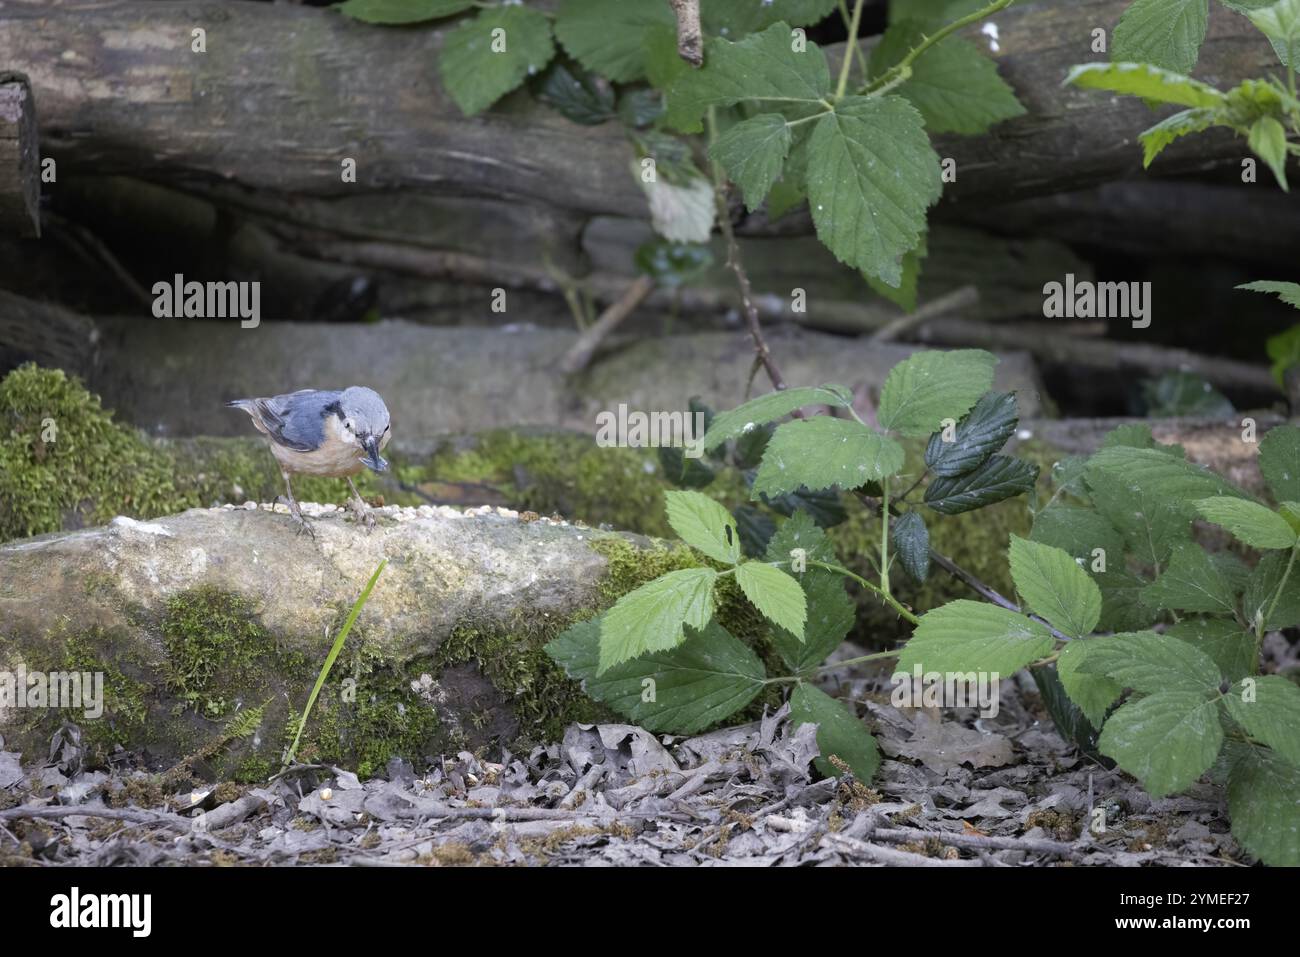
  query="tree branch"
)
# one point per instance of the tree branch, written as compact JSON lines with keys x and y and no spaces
{"x":690,"y":42}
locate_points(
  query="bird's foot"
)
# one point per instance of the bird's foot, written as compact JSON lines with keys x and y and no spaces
{"x":298,"y":516}
{"x":362,"y":511}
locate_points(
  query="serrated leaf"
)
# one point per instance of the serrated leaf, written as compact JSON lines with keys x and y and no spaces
{"x":1279,"y":460}
{"x":1166,"y":740}
{"x":912,"y":544}
{"x":1094,"y":694}
{"x":753,"y":152}
{"x":756,"y":529}
{"x":928,"y":387}
{"x":831,"y":611}
{"x":706,"y":679}
{"x":1191,"y":582}
{"x":1273,"y":717}
{"x":583,"y":98}
{"x":1249,"y":522}
{"x":1151,"y":82}
{"x":1054,"y":587}
{"x":872,"y":174}
{"x":1079,"y":530}
{"x":983,"y":431}
{"x":478,"y":67}
{"x":761,"y":67}
{"x":1172,"y":128}
{"x":955,"y":86}
{"x":769,"y":408}
{"x":905,"y":293}
{"x":703,"y":524}
{"x":735,"y":18}
{"x":1001,"y":477}
{"x":608,"y":36}
{"x":777,"y":595}
{"x":1123,"y":601}
{"x":1288,"y":292}
{"x":824,"y":505}
{"x":1167,"y":33}
{"x":822,"y":452}
{"x":968,"y":635}
{"x":1267,"y":140}
{"x":1280,"y":22}
{"x":1069,"y":718}
{"x":800,"y":531}
{"x":402,"y":11}
{"x":839,"y":733}
{"x":1151,"y":663}
{"x":682,"y":470}
{"x":1264,"y":801}
{"x":652,"y":617}
{"x":1223,"y":641}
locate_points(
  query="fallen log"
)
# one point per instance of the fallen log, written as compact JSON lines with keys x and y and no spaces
{"x":121,"y":91}
{"x":20,"y":186}
{"x":196,"y":621}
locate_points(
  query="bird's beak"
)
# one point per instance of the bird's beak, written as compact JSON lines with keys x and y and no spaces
{"x":372,"y":459}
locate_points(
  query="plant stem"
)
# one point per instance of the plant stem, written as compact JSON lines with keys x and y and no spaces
{"x":889,"y":77}
{"x":854,"y":23}
{"x":861,"y":659}
{"x":1263,"y":622}
{"x":884,"y":535}
{"x":893,"y":602}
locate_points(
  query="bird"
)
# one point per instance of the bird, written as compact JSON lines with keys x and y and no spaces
{"x":333,"y":433}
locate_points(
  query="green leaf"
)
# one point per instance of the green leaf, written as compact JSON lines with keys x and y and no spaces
{"x":1267,"y":140}
{"x":682,"y":470}
{"x":704,"y":524}
{"x":1191,"y":582}
{"x":872,"y":174}
{"x":912,"y":544}
{"x":1288,"y":292}
{"x":904,"y":294}
{"x":1151,"y":663}
{"x":1069,"y":718}
{"x":1262,"y":588}
{"x":681,"y":211}
{"x":1249,"y":522}
{"x":402,"y":11}
{"x":1055,"y":587}
{"x":974,"y":636}
{"x":983,"y":431}
{"x":839,"y":733}
{"x":1079,"y":530}
{"x":735,"y":18}
{"x":1166,"y":741}
{"x":1167,"y":33}
{"x":1094,"y":694}
{"x":1279,"y":460}
{"x":1273,"y":717}
{"x":933,"y":11}
{"x":769,"y":408}
{"x":1280,"y":22}
{"x":1172,"y":128}
{"x":761,"y":67}
{"x":755,"y":527}
{"x":1123,"y":601}
{"x":1284,"y":350}
{"x":708,"y":678}
{"x":1264,"y":801}
{"x":609,"y":36}
{"x":651,"y":618}
{"x":1147,"y":81}
{"x":478,"y":67}
{"x":1223,"y":641}
{"x":663,"y":64}
{"x":955,"y":86}
{"x":583,"y":98}
{"x":831,"y":612}
{"x":753,"y":152}
{"x":1184,"y":394}
{"x":1001,"y":477}
{"x":775,"y":594}
{"x":928,"y":387}
{"x":822,"y":452}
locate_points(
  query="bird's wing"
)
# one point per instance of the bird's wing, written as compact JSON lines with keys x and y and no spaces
{"x":296,"y":420}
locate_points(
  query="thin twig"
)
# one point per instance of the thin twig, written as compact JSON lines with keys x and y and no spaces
{"x":579,"y":355}
{"x":965,"y":297}
{"x":690,"y":41}
{"x":903,"y":835}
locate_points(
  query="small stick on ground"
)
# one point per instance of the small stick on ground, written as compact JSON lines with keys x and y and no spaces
{"x":579,"y":355}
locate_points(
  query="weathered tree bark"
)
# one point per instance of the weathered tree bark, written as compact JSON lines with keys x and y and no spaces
{"x":194,"y":617}
{"x":284,"y":93}
{"x":20,"y":185}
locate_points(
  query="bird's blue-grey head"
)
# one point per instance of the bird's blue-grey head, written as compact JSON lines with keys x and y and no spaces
{"x":363,"y":415}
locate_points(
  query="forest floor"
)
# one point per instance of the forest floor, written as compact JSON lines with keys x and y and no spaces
{"x":954,"y":790}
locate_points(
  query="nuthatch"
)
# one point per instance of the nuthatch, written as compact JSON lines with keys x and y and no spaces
{"x":329,"y":433}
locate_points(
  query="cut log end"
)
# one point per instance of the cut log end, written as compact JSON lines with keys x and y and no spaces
{"x":20,"y":187}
